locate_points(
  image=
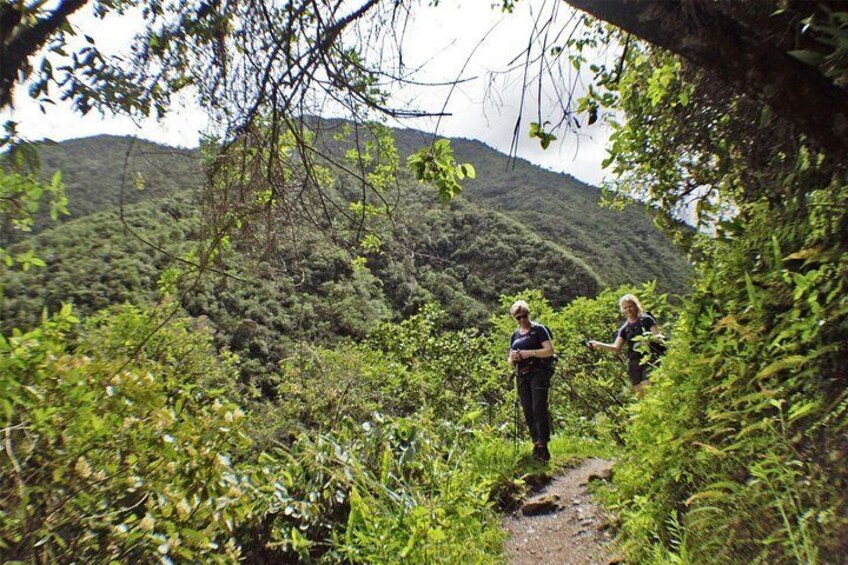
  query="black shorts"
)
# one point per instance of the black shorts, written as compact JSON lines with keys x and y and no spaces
{"x":637,"y":372}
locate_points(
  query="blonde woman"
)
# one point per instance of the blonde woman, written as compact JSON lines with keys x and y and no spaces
{"x":531,"y":351}
{"x":638,"y":323}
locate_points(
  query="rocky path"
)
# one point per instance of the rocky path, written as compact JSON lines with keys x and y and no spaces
{"x":570,"y":528}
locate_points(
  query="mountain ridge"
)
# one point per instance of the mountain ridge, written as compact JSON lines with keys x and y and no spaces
{"x":556,"y":206}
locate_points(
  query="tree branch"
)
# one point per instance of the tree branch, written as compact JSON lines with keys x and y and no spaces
{"x":23,"y":44}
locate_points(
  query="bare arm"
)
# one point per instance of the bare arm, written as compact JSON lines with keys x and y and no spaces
{"x":546,"y":351}
{"x":615,"y":346}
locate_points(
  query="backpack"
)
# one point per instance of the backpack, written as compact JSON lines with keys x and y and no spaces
{"x":656,"y":346}
{"x":549,"y":364}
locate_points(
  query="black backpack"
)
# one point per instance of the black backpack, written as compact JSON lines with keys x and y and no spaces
{"x":549,"y":364}
{"x":657,"y":347}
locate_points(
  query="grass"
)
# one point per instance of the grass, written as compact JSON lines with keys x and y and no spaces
{"x":513,"y":472}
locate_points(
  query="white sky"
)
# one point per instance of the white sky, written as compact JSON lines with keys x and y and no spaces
{"x":443,"y":37}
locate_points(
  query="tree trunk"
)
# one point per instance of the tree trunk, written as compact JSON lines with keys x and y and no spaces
{"x":699,"y":32}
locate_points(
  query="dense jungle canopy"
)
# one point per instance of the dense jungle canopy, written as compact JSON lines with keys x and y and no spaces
{"x":131,"y":434}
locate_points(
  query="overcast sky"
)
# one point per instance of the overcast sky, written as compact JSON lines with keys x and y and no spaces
{"x":441,"y":38}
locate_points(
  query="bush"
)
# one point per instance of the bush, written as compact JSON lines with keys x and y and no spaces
{"x":124,"y":444}
{"x":119,"y":444}
{"x":741,"y":440}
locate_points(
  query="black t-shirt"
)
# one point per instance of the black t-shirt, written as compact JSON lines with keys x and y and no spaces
{"x":634,"y":329}
{"x":533,"y":339}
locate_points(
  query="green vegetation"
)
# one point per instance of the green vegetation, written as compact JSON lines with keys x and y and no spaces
{"x":261,"y":308}
{"x":560,"y":210}
{"x":128,"y":439}
{"x":113,"y":451}
{"x":378,"y":430}
{"x":620,"y":246}
{"x":22,"y":195}
{"x":103,"y":172}
{"x":262,"y":305}
{"x":736,"y":453}
{"x":738,"y":446}
{"x":286,"y":420}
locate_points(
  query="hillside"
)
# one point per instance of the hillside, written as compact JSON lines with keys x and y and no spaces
{"x":101,"y":172}
{"x":617,"y":247}
{"x":304,"y":290}
{"x":623,"y":247}
{"x":464,"y":255}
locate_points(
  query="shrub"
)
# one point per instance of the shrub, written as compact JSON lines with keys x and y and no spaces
{"x":741,"y":440}
{"x":119,"y":445}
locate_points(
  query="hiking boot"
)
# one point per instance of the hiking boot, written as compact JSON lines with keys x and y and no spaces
{"x":540,"y":452}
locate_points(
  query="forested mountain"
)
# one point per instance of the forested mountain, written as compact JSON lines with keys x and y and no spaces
{"x":617,"y":247}
{"x":262,"y":306}
{"x":101,"y":172}
{"x":623,"y":247}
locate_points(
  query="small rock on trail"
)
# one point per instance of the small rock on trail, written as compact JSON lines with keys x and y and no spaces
{"x":541,"y":505}
{"x":572,"y":532}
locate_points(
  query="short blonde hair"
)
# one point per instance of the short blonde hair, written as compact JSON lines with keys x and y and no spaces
{"x":630,"y":298}
{"x":519,"y":306}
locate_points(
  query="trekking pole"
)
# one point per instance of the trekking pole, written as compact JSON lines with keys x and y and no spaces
{"x":515,"y":419}
{"x":551,"y":430}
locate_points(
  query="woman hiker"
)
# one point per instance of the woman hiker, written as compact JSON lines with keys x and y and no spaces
{"x":530,"y":353}
{"x":637,"y":324}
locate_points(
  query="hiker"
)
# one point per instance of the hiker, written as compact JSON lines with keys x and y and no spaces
{"x":638,"y":322}
{"x":531,"y":354}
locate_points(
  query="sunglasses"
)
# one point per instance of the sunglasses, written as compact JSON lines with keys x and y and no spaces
{"x":521,"y":316}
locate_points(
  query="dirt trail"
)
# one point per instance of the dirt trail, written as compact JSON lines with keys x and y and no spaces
{"x":572,"y":535}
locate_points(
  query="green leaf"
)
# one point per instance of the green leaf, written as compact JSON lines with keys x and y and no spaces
{"x":791,"y":362}
{"x":709,"y":494}
{"x":807,"y":56}
{"x":684,"y":97}
{"x":798,"y":411}
{"x":805,"y":254}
